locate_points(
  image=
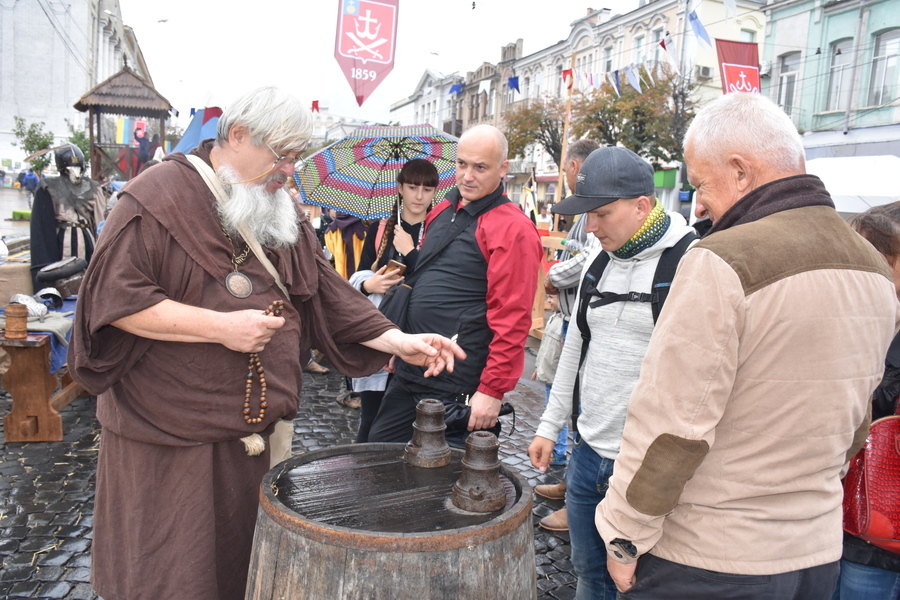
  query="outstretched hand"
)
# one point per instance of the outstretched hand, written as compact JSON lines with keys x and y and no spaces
{"x":429,"y":350}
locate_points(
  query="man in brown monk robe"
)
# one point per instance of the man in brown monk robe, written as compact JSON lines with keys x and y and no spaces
{"x":170,"y":307}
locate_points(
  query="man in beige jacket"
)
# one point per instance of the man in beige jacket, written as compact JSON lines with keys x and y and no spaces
{"x":755,"y":388}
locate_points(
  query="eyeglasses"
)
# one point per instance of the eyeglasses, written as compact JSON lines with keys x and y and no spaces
{"x":298,"y":162}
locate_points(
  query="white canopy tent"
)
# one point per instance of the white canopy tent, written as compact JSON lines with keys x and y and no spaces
{"x":857,"y":183}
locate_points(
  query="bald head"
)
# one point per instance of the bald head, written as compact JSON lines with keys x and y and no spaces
{"x":486,"y":134}
{"x":481,"y":162}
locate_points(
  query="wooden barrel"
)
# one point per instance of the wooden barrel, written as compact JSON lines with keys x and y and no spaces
{"x":357,"y":522}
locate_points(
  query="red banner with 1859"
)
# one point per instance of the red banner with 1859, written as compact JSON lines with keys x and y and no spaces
{"x":365,"y":43}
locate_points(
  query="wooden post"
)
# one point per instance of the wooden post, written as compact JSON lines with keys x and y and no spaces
{"x":565,"y":143}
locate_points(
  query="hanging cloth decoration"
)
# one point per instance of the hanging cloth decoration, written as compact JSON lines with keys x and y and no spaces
{"x":699,"y":29}
{"x":513,"y":83}
{"x":633,"y":79}
{"x":668,"y":44}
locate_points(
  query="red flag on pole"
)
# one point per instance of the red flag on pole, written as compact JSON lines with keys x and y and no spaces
{"x":315,"y":106}
{"x":739,"y":66}
{"x":365,"y":43}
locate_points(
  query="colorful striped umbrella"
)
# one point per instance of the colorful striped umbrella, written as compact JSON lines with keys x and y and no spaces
{"x":358,"y":174}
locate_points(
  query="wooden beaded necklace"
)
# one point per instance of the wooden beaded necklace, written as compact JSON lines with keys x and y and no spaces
{"x":255,"y":366}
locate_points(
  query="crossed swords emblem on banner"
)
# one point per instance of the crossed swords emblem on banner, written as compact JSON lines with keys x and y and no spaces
{"x":367,"y":34}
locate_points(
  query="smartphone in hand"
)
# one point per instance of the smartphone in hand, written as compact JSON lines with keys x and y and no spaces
{"x":394,"y":265}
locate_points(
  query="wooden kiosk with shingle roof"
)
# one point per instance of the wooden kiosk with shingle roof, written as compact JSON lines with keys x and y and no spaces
{"x":124,"y":94}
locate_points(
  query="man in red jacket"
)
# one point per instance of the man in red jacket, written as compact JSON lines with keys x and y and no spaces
{"x":477,"y":289}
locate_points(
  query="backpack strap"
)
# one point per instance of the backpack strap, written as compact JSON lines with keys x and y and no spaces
{"x":588,"y":289}
{"x":379,"y":235}
{"x":665,"y":271}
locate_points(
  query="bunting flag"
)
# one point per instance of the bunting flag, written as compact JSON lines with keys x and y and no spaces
{"x":699,"y":29}
{"x":456,"y":88}
{"x":668,"y":45}
{"x":513,"y":84}
{"x":567,"y":78}
{"x":632,"y":79}
{"x":598,"y":80}
{"x":528,"y":199}
{"x":193,"y":111}
{"x":730,"y":10}
{"x":484,"y":86}
{"x":315,"y":106}
{"x":649,"y":74}
{"x":614,"y":82}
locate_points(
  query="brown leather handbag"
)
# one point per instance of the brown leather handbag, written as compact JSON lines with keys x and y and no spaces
{"x":872,"y":487}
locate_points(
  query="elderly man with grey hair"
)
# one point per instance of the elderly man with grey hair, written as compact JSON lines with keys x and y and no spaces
{"x":177,"y":334}
{"x":754,"y":391}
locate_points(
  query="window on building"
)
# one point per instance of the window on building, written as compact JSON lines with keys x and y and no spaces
{"x":510,"y":94}
{"x":527,"y":88}
{"x":607,"y":59}
{"x":657,"y":49}
{"x":491,"y":98}
{"x":637,"y":50}
{"x":747,"y":35}
{"x":839,"y":83}
{"x":883,"y":86}
{"x":559,"y":83}
{"x":538,"y":79}
{"x":789,"y":71}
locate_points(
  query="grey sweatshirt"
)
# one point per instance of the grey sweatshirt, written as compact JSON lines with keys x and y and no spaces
{"x":620,"y":333}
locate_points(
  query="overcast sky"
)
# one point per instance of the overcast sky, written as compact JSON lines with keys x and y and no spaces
{"x":201,"y":54}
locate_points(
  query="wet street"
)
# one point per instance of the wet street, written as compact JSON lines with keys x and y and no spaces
{"x":47,"y":491}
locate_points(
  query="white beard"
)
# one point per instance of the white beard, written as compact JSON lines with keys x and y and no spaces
{"x":271,"y":218}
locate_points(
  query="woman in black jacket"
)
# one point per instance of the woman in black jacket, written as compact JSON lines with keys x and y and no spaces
{"x":869,"y":572}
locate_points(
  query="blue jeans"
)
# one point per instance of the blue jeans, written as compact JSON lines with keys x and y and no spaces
{"x":562,"y":440}
{"x":862,"y":582}
{"x":587,"y":480}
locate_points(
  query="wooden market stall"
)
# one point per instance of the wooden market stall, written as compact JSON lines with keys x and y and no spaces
{"x":124,"y":94}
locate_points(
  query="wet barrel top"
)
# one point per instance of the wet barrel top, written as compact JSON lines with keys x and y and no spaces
{"x":368,"y":492}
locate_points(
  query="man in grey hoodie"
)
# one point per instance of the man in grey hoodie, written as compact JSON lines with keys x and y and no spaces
{"x":615,"y":189}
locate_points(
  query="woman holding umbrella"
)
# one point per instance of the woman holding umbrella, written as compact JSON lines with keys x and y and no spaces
{"x":389,"y":242}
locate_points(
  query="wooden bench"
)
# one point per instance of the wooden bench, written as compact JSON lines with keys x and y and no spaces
{"x":37,"y":395}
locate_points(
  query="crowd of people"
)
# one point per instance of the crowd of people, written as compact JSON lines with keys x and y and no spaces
{"x":715,"y":387}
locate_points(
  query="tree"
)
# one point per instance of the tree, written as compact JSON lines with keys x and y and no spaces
{"x":33,"y":139}
{"x":651,"y":123}
{"x":174,"y":134}
{"x":80,"y":139}
{"x":536,"y":122}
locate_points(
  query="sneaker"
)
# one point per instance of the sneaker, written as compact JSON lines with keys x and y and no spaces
{"x":557,"y":521}
{"x":558,"y":461}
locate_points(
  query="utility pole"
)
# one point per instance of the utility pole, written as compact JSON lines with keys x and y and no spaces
{"x":565,"y":142}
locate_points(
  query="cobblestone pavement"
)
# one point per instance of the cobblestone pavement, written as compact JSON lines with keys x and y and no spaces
{"x":47,"y":492}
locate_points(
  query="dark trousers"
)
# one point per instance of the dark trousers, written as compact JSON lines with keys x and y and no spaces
{"x":395,"y":418}
{"x":369,"y":404}
{"x":662,"y":579}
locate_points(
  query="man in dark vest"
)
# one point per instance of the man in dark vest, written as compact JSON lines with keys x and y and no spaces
{"x":477,"y":276}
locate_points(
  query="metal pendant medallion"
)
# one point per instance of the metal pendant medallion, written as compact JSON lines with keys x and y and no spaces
{"x":238,"y":284}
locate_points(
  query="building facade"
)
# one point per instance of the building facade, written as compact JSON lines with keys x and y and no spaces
{"x":52,"y":53}
{"x":597,"y":45}
{"x":835,"y":69}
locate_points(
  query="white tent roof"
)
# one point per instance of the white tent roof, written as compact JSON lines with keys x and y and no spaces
{"x":857,"y":183}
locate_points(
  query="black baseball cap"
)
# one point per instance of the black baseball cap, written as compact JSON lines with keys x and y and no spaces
{"x":608,"y":173}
